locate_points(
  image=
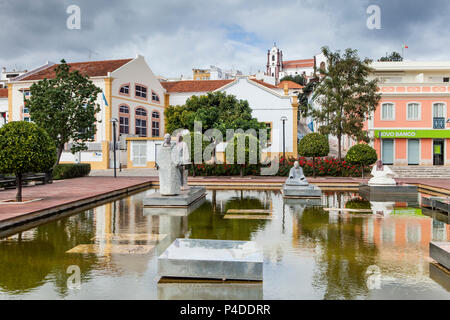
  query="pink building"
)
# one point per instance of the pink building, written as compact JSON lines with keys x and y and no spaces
{"x":411,"y":126}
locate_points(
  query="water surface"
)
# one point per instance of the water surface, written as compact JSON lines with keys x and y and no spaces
{"x":309,"y":253}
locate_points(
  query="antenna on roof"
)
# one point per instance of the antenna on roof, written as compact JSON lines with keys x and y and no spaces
{"x":91,"y":53}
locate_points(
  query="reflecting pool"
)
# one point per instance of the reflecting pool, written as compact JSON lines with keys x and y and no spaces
{"x":366,"y":251}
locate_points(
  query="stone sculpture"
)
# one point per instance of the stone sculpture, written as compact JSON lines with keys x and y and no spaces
{"x":296,"y":176}
{"x":185,"y":161}
{"x":297,"y":186}
{"x":382,"y":175}
{"x":168,"y":165}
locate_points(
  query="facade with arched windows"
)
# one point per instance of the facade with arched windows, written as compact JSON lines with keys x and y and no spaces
{"x":128,"y":87}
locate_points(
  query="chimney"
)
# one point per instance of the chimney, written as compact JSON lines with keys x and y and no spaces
{"x":286,"y":88}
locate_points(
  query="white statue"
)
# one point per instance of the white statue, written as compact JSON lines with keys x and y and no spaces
{"x":296,"y":176}
{"x":168,"y":164}
{"x":185,"y":161}
{"x":382,"y":175}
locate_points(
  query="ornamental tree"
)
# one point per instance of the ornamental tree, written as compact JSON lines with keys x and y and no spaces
{"x":24,"y":147}
{"x":314,"y":145}
{"x":362,"y":155}
{"x":65,"y":107}
{"x":346,"y":95}
{"x":243,"y":149}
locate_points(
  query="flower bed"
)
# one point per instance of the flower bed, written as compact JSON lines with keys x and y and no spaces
{"x":330,"y":167}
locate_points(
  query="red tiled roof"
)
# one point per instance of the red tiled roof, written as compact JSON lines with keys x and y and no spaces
{"x":268,"y":85}
{"x":291,"y":85}
{"x":194,"y":85}
{"x":89,"y":68}
{"x":4,"y":93}
{"x":305,"y":63}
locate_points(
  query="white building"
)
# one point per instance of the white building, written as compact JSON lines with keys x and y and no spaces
{"x":130,"y":93}
{"x":278,"y":68}
{"x":267,"y":103}
{"x":3,"y":106}
{"x":215,"y":73}
{"x":5,"y":76}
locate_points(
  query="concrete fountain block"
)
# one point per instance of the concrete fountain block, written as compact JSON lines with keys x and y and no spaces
{"x":212,"y":259}
{"x":184,"y":199}
{"x":440,"y":252}
{"x":299,"y":192}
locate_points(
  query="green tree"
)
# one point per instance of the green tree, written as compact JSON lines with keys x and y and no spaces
{"x":346,"y":96}
{"x":303,"y":98}
{"x":362,"y":155}
{"x":393,"y":57}
{"x":300,"y":79}
{"x":24,"y":147}
{"x":215,"y":110}
{"x":65,"y":107}
{"x":244,"y":149}
{"x":314,"y":145}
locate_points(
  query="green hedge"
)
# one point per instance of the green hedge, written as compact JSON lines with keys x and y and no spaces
{"x":71,"y":170}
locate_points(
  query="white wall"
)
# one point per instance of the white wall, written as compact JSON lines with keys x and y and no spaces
{"x":3,"y":108}
{"x":267,"y":106}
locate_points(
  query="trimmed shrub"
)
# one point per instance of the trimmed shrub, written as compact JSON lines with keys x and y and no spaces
{"x":361,"y":155}
{"x":25,"y":147}
{"x":314,"y":145}
{"x":71,"y":170}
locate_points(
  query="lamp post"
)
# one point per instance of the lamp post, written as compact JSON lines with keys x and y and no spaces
{"x":114,"y":122}
{"x":284,"y":119}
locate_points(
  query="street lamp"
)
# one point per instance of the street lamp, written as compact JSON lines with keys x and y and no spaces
{"x":284,"y":119}
{"x":114,"y":122}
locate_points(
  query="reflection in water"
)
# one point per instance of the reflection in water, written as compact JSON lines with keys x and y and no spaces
{"x":309,"y":253}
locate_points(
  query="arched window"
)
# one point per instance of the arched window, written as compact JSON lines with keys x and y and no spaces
{"x":125,"y":89}
{"x":141,"y":122}
{"x":155,"y":124}
{"x":273,"y":58}
{"x":124,"y":119}
{"x":155,"y":96}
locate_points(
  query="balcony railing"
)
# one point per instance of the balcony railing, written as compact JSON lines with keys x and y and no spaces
{"x":438,"y":123}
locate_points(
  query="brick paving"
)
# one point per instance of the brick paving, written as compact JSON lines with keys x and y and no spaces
{"x":64,"y":192}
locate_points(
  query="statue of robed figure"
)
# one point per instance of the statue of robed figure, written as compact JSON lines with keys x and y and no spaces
{"x":168,"y":164}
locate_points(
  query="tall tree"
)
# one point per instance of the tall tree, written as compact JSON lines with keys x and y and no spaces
{"x":393,"y":57}
{"x":346,"y":96}
{"x":65,"y":107}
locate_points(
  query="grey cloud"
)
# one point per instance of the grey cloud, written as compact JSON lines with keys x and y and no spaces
{"x":176,"y":35}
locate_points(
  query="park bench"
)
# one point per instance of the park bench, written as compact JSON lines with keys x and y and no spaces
{"x":9,"y":182}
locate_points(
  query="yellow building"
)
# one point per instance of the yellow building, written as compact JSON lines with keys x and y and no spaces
{"x":201,"y":74}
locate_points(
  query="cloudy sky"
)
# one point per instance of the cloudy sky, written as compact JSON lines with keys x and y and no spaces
{"x":177,"y":35}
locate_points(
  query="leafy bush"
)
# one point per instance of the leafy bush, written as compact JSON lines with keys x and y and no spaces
{"x":71,"y":170}
{"x":25,"y":147}
{"x":362,"y":155}
{"x":314,"y":145}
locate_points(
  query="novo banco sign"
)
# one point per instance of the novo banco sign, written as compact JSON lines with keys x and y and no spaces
{"x":412,"y":134}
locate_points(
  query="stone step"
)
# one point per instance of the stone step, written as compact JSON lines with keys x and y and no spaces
{"x":421,"y":172}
